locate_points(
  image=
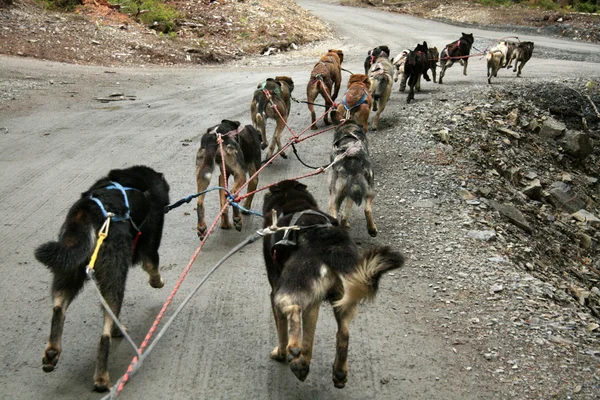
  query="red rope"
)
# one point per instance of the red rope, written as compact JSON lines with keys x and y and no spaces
{"x":150,"y":333}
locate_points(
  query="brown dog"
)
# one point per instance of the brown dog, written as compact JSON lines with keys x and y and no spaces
{"x":241,"y":148}
{"x":357,"y":102}
{"x":325,"y":77}
{"x":261,"y":108}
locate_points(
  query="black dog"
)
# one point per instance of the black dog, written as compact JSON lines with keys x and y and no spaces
{"x":308,"y":266}
{"x":241,"y":148}
{"x":416,"y":64}
{"x":458,"y":50}
{"x":373,"y":55}
{"x":137,"y":196}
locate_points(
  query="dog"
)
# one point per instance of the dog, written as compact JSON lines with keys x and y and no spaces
{"x":241,"y":148}
{"x":416,"y":64}
{"x":374,"y":54}
{"x":511,"y":46}
{"x":380,"y":75}
{"x":458,"y":50}
{"x":433,"y":56}
{"x":521,"y":54}
{"x":496,"y":59}
{"x":399,"y":65}
{"x":306,"y":267}
{"x":356,"y":103}
{"x":325,"y":76}
{"x":137,"y":196}
{"x":280,"y":92}
{"x":351,"y":177}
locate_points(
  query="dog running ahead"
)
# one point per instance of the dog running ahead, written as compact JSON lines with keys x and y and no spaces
{"x":458,"y":50}
{"x":280,"y":90}
{"x":381,"y":87}
{"x":241,"y":145}
{"x":325,"y":77}
{"x":351,"y":178}
{"x":496,"y":59}
{"x":137,"y":196}
{"x":521,"y":54}
{"x":416,"y":64}
{"x":306,"y":267}
{"x":373,"y":55}
{"x":356,"y":103}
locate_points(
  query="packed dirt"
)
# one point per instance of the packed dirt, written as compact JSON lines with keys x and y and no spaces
{"x":480,"y":186}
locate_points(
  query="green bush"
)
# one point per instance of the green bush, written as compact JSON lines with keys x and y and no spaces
{"x":151,"y":11}
{"x":587,"y":6}
{"x":67,"y":5}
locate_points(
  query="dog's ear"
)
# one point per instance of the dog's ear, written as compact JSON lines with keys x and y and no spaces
{"x":300,"y":186}
{"x":341,"y":55}
{"x":425,"y":43}
{"x":230,"y":122}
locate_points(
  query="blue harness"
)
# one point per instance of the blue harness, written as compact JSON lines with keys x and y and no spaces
{"x":124,"y":217}
{"x":361,"y":101}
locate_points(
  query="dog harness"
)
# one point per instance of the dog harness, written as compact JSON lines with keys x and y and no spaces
{"x":127,"y":215}
{"x":276,"y":91}
{"x":362,"y":100}
{"x":286,"y":241}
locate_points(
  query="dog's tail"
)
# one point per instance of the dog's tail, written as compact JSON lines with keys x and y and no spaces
{"x":363,"y":282}
{"x":73,"y":249}
{"x":356,"y":187}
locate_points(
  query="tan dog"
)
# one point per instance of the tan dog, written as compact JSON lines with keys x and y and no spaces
{"x":357,"y":102}
{"x":381,"y":86}
{"x":280,"y":92}
{"x":325,"y":77}
{"x":496,"y":58}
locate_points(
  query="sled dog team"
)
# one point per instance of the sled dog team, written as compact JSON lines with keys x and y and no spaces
{"x":314,"y":263}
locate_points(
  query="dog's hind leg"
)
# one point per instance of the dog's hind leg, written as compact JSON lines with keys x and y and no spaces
{"x":276,"y":140}
{"x":311,"y":96}
{"x":62,"y":300}
{"x":150,"y":265}
{"x":239,"y":177}
{"x":295,"y":355}
{"x":225,"y":224}
{"x":203,"y":175}
{"x":465,"y":63}
{"x":371,"y":227}
{"x":340,"y":366}
{"x":309,"y":325}
{"x":347,"y":210}
{"x":279,"y":353}
{"x":251,"y":187}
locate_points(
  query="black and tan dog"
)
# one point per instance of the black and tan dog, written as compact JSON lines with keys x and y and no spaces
{"x":351,"y":176}
{"x":280,"y":91}
{"x":415,"y":66}
{"x":241,"y":148}
{"x":325,"y":77}
{"x":319,"y":262}
{"x":374,"y":54}
{"x":137,"y":196}
{"x":521,"y":54}
{"x":356,"y":103}
{"x":458,"y":50}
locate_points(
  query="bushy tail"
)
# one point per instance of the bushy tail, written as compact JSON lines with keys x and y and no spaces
{"x":70,"y":252}
{"x":363,"y":282}
{"x":356,"y":187}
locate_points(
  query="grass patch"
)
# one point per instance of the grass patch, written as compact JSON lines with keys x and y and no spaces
{"x":154,"y":13}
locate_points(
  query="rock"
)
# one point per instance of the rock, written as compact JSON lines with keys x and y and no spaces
{"x":465,"y":194}
{"x":497,"y":287}
{"x":562,"y":197}
{"x":509,"y":132}
{"x":585,"y":241}
{"x":482,"y":235}
{"x":534,"y":126}
{"x":577,"y":144}
{"x":551,"y":128}
{"x":587,"y":217}
{"x":534,"y":190}
{"x":512,"y":215}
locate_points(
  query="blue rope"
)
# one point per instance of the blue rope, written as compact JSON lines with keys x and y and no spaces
{"x":361,"y":101}
{"x":122,"y":189}
{"x":230,"y":196}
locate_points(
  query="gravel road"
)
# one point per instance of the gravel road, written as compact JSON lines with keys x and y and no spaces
{"x":56,"y":139}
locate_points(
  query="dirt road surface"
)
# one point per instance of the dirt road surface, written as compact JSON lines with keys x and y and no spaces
{"x":56,"y":139}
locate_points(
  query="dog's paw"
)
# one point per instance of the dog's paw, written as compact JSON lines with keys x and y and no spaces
{"x":277,"y":355}
{"x":102,"y":383}
{"x":156,"y":282}
{"x":314,"y":127}
{"x":283,"y":155}
{"x":372,"y":232}
{"x":340,"y":378}
{"x":116,"y":332}
{"x":237,"y":223}
{"x":263,"y":146}
{"x":226,"y":225}
{"x":201,"y":231}
{"x":50,"y":359}
{"x":299,"y":367}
